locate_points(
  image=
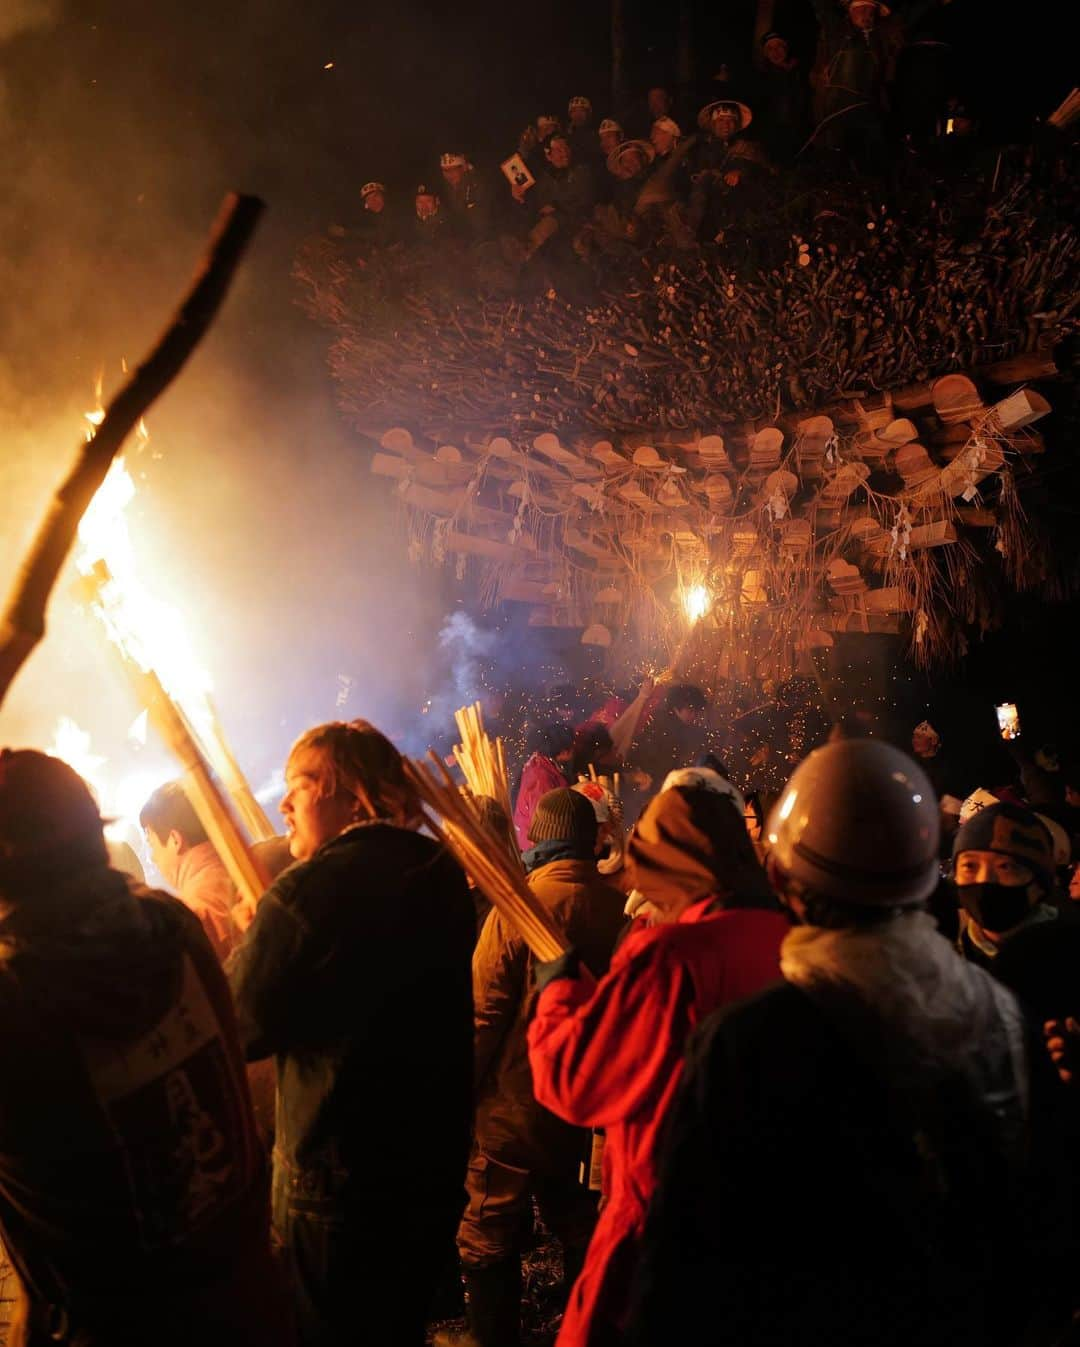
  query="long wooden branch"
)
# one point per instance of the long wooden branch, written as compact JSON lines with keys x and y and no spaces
{"x":22,"y":622}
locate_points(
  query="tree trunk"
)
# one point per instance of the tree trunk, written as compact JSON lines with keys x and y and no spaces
{"x":620,"y":100}
{"x":684,"y":62}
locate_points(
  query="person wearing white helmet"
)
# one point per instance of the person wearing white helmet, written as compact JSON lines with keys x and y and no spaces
{"x":464,"y":196}
{"x":609,"y":133}
{"x":825,"y":1178}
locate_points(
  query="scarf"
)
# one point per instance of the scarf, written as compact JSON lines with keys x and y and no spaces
{"x":556,"y":849}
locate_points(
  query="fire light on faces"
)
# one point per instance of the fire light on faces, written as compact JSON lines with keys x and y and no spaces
{"x":696,"y":602}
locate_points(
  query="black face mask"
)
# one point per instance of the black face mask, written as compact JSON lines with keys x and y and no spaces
{"x":995,"y":907}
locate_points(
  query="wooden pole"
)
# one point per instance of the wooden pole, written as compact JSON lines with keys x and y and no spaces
{"x":245,"y":871}
{"x":253,"y":815}
{"x":22,"y":621}
{"x":619,"y":99}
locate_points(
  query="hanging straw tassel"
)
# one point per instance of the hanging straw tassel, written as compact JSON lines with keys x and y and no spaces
{"x":453,"y":819}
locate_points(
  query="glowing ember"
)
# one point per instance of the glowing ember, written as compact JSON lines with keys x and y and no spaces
{"x":696,"y":602}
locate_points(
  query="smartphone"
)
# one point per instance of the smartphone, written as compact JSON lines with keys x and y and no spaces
{"x":1008,"y":718}
{"x":950,"y":127}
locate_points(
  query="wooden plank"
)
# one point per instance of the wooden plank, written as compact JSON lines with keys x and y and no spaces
{"x":888,"y":600}
{"x":422,"y":470}
{"x":515,"y":589}
{"x":552,"y":616}
{"x":474,"y":545}
{"x":935,"y":534}
{"x":1016,"y":369}
{"x":976,"y":517}
{"x":585,"y":543}
{"x":452,"y":503}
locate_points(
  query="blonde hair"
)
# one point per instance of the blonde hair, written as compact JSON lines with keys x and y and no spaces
{"x":357,"y":759}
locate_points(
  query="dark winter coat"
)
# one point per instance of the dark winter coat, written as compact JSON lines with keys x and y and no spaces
{"x":803,"y":1201}
{"x":511,"y":1126}
{"x":782,"y":111}
{"x":666,"y":744}
{"x":133,"y":1195}
{"x":569,"y":192}
{"x":855,"y":68}
{"x":354,"y":975}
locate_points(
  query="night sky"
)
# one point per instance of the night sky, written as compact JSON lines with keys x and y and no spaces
{"x":122,"y":124}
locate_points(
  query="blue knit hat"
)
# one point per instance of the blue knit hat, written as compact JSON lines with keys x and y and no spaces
{"x":1010,"y":830}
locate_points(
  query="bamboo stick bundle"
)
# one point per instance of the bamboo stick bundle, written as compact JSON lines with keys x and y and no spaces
{"x":482,"y":761}
{"x":453,"y":818}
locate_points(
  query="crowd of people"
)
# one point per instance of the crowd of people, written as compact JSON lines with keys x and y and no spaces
{"x":806,"y":1074}
{"x":879,"y":91}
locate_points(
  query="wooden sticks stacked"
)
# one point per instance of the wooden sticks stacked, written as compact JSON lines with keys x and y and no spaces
{"x":455,"y":820}
{"x":482,"y":761}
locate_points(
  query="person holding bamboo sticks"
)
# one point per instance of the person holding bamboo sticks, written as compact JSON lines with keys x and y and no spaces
{"x":355,"y":976}
{"x":132,"y":1183}
{"x":608,"y":1053}
{"x":550,"y":748}
{"x":520,"y":1150}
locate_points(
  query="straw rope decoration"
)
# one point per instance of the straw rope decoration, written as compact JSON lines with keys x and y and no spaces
{"x":454,"y":819}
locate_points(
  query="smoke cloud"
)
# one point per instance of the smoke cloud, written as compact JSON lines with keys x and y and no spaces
{"x":122,"y":125}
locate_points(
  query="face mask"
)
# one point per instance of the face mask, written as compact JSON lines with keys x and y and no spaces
{"x":995,"y":907}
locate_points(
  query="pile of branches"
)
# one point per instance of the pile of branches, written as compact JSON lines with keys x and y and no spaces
{"x":822,"y":293}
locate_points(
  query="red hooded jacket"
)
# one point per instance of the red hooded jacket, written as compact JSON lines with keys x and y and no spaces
{"x":610,"y":1055}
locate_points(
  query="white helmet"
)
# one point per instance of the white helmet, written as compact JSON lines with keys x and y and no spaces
{"x":858,"y":822}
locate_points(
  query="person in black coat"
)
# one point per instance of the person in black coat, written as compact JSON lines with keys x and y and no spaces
{"x":857,"y":1154}
{"x":355,"y":977}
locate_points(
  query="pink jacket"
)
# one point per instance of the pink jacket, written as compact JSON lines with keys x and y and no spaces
{"x":538,"y":776}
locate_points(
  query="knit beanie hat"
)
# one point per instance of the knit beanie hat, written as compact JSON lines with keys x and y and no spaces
{"x":1012,"y":831}
{"x":563,"y":816}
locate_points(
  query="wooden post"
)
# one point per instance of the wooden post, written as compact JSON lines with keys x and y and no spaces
{"x":224,"y":832}
{"x":619,"y":97}
{"x":22,"y":621}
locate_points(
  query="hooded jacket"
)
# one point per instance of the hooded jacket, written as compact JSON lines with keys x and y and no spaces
{"x":511,"y":1126}
{"x":609,"y":1053}
{"x":539,"y":775}
{"x":130,"y":1172}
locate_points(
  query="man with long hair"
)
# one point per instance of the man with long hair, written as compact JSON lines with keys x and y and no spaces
{"x":355,"y":976}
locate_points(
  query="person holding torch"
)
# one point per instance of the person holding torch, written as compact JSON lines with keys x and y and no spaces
{"x":355,"y":976}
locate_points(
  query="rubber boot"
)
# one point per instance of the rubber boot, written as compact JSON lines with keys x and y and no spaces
{"x":493,"y":1313}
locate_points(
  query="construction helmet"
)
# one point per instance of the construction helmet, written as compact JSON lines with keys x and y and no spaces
{"x":858,"y":822}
